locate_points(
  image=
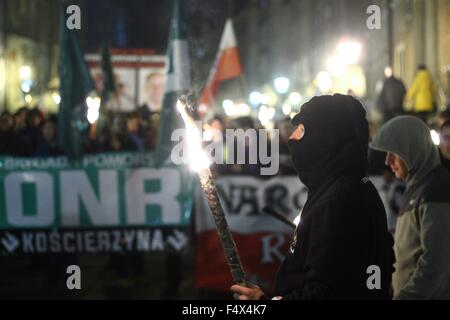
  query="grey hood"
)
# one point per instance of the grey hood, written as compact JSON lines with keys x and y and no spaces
{"x":410,"y":138}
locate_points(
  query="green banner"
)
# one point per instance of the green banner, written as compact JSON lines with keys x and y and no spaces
{"x":108,"y":190}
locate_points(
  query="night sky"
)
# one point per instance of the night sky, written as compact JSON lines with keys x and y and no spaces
{"x":145,"y":23}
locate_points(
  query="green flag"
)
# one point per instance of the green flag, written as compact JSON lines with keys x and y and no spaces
{"x":75,"y":85}
{"x":109,"y":88}
{"x":109,"y":84}
{"x":178,"y":81}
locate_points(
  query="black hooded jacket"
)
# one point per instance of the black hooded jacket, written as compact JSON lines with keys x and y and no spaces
{"x":343,"y":227}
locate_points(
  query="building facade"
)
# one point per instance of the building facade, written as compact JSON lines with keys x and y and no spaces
{"x":29,"y":39}
{"x":296,"y":38}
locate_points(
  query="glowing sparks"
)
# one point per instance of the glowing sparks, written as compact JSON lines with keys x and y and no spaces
{"x":197,"y":159}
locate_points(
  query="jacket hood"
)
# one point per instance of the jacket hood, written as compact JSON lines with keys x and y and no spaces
{"x":424,"y":75}
{"x":410,"y":138}
{"x":335,"y":141}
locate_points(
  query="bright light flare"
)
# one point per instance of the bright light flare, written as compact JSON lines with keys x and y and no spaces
{"x":93,"y":111}
{"x":25,"y":86}
{"x":349,"y":51}
{"x":281,"y":85}
{"x":324,"y":81}
{"x":295,"y":98}
{"x":235,"y":110}
{"x":56,"y":98}
{"x":286,"y":109}
{"x":265,"y":114}
{"x":92,"y":115}
{"x":197,"y":159}
{"x":336,"y":66}
{"x":255,"y":98}
{"x":297,"y":220}
{"x":25,"y":72}
{"x":93,"y":102}
{"x":264,"y":99}
{"x":435,"y":137}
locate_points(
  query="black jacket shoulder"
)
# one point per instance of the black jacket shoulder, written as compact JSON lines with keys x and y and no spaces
{"x":436,"y":186}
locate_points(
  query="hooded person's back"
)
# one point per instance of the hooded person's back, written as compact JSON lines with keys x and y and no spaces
{"x":390,"y":100}
{"x":422,"y":234}
{"x":343,"y":228}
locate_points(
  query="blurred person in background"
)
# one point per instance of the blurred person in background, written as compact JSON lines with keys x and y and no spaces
{"x":217,"y":123}
{"x":442,"y":117}
{"x":154,"y":94}
{"x":91,"y":142}
{"x":48,"y":143}
{"x":149,"y":111}
{"x":117,"y":131}
{"x":22,"y":141}
{"x":215,"y":133}
{"x":390,"y":100}
{"x":149,"y":130}
{"x":444,"y":144}
{"x":6,"y":134}
{"x":133,"y":140}
{"x":422,"y":94}
{"x":250,"y":144}
{"x":423,"y":225}
{"x":35,"y":119}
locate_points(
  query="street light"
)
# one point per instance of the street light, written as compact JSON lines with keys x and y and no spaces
{"x":349,"y":51}
{"x":264,"y":99}
{"x":235,"y":110}
{"x":242,"y":109}
{"x":324,"y":82}
{"x":25,"y":72}
{"x":56,"y":97}
{"x":266,"y":114}
{"x":255,"y":98}
{"x":227,"y":106}
{"x":286,"y":109}
{"x":25,"y":86}
{"x":336,"y":66}
{"x":281,"y":85}
{"x":28,"y":98}
{"x":295,"y":98}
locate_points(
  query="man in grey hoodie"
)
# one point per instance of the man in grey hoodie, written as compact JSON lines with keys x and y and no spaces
{"x":422,"y":237}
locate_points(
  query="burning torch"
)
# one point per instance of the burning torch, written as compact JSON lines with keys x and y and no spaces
{"x":199,"y":162}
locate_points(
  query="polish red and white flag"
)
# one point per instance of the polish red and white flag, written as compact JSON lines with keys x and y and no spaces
{"x":227,"y":65}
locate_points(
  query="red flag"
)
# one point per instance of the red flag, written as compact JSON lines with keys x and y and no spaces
{"x":227,"y":65}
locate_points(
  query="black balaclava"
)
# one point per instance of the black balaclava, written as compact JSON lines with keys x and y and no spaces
{"x":335,"y":142}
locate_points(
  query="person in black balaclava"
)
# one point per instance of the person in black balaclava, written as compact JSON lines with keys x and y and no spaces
{"x":342,"y":248}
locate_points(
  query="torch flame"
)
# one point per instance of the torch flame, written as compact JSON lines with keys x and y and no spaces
{"x":197,"y":159}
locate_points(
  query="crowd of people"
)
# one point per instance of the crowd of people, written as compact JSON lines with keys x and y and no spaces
{"x":419,"y":100}
{"x":30,"y":133}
